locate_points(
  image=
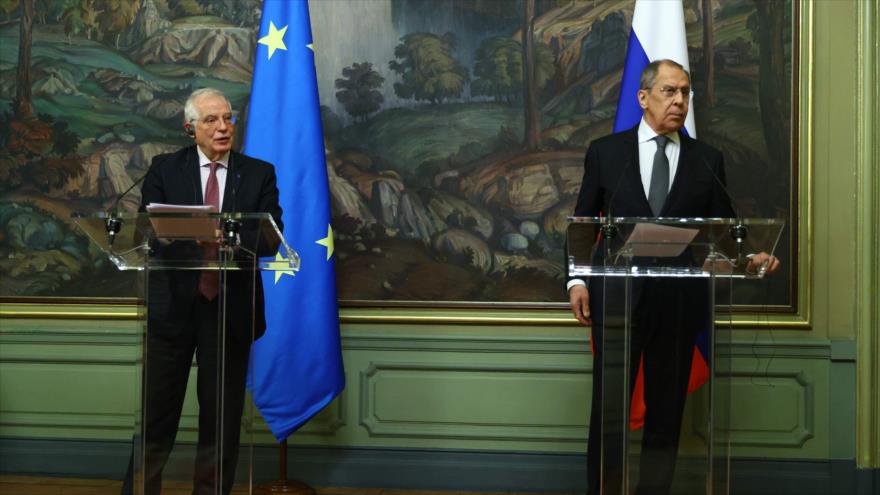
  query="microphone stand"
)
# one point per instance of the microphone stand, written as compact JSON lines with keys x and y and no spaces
{"x":282,"y":484}
{"x":739,"y":232}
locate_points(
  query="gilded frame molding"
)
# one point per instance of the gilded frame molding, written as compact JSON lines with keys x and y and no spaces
{"x":867,"y":434}
{"x":543,"y":314}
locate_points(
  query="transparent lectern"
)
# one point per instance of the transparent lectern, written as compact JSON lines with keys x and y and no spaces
{"x":172,"y":251}
{"x":654,"y":285}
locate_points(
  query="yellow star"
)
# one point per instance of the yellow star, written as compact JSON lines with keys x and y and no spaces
{"x":278,"y":266}
{"x":274,"y":40}
{"x":311,"y":47}
{"x":327,"y":242}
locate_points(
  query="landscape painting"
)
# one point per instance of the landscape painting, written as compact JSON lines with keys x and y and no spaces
{"x":455,"y":130}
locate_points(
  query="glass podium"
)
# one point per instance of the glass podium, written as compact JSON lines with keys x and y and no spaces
{"x":198,"y":296}
{"x":654,"y":285}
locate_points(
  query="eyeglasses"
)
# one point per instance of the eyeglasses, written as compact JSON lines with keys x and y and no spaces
{"x":212,"y":121}
{"x":669,"y":92}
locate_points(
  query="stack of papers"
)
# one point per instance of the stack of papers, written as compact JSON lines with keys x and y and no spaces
{"x":197,"y":227}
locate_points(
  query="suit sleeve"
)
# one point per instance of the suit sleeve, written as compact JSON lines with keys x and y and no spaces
{"x":268,"y":203}
{"x":152,"y":190}
{"x":589,"y":202}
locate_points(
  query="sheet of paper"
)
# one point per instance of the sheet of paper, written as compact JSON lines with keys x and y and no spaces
{"x":660,"y":241}
{"x":199,"y":228}
{"x":166,"y":208}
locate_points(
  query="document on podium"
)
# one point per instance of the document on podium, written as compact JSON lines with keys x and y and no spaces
{"x":193,"y":228}
{"x":659,"y":241}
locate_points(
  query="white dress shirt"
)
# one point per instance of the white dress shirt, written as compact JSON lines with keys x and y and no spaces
{"x":647,"y":149}
{"x":205,"y":172}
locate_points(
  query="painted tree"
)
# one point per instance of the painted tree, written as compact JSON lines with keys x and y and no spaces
{"x":498,"y":68}
{"x":184,"y":8}
{"x":358,"y":90}
{"x":73,"y":24}
{"x":34,"y":150}
{"x":82,"y":17}
{"x":709,"y":51}
{"x":427,"y":69}
{"x":24,"y":108}
{"x":53,"y":10}
{"x":116,"y":16}
{"x":532,"y":127}
{"x":768,"y":26}
{"x":239,"y":12}
{"x":8,"y":7}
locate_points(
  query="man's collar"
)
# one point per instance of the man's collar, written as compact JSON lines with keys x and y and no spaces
{"x":645,"y":133}
{"x":204,"y":160}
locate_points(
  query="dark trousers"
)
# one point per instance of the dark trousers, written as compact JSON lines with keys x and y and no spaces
{"x":664,"y":327}
{"x":168,"y":364}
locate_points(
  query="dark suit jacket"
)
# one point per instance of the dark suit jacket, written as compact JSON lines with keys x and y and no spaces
{"x":250,"y":188}
{"x":612,"y":183}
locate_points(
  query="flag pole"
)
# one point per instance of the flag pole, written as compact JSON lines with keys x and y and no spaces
{"x":282,"y":484}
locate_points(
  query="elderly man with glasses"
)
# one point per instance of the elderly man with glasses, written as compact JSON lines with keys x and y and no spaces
{"x":652,"y":170}
{"x":182,"y":317}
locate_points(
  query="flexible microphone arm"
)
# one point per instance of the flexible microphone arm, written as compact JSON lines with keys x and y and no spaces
{"x":114,"y":223}
{"x":738,"y":231}
{"x":609,"y":230}
{"x":231,"y":226}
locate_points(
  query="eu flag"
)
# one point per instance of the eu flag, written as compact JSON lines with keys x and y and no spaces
{"x":297,"y":364}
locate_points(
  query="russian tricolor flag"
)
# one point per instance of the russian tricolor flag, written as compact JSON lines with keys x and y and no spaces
{"x":657,"y":33}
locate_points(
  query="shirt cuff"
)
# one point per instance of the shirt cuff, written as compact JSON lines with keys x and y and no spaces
{"x":573,"y":282}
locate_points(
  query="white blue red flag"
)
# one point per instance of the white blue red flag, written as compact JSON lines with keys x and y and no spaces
{"x":658,"y":32}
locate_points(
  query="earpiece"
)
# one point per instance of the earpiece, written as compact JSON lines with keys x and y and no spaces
{"x":188,"y":129}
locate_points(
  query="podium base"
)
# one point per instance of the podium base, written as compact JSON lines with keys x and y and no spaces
{"x":285,"y":486}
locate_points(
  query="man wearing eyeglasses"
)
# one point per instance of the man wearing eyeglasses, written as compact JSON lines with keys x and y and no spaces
{"x":183,"y":304}
{"x":652,"y":170}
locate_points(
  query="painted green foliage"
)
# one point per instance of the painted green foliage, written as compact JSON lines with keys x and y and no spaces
{"x":430,"y":174}
{"x":357,"y":90}
{"x":498,"y":68}
{"x":427,"y":68}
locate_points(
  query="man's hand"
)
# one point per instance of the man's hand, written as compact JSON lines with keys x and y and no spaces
{"x":763,"y":261}
{"x":579,"y":298}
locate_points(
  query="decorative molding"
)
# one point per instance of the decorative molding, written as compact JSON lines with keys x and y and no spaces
{"x":326,"y":423}
{"x":484,"y":430}
{"x":793,"y":437}
{"x":806,"y":164}
{"x":88,"y":310}
{"x":868,"y":239}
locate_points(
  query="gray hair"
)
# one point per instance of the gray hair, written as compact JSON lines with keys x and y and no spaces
{"x":649,"y":75}
{"x":190,"y":113}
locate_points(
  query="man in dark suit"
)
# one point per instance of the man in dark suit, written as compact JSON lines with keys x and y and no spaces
{"x":648,"y":171}
{"x":183,"y":304}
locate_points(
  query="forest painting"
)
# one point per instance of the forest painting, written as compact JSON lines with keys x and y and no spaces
{"x":455,"y":129}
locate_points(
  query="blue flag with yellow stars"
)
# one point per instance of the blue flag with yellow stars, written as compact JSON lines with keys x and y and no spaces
{"x":297,"y":364}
